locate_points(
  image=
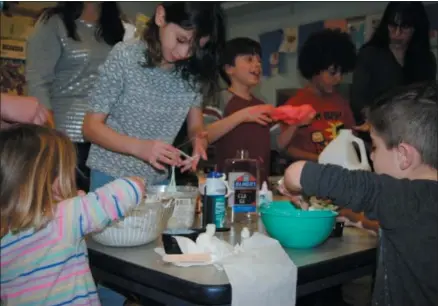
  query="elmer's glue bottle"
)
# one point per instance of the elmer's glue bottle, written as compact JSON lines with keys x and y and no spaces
{"x":243,"y":178}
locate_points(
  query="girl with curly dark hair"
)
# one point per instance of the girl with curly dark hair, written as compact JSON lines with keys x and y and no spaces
{"x":148,"y":87}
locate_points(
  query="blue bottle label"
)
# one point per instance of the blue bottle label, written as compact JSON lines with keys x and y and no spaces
{"x":219,"y":210}
{"x":245,"y":192}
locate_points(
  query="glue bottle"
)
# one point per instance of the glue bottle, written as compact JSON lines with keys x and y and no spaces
{"x":214,"y":202}
{"x":265,"y":196}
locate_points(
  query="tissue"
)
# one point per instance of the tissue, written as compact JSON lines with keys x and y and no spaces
{"x":259,"y":270}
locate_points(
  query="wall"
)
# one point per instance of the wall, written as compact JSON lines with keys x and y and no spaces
{"x":291,"y":14}
{"x":131,"y":8}
{"x":263,"y":18}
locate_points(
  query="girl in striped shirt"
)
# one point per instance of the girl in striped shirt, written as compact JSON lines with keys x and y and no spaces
{"x":43,"y":220}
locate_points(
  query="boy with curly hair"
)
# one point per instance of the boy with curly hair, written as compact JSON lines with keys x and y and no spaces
{"x":402,"y":195}
{"x":323,"y":60}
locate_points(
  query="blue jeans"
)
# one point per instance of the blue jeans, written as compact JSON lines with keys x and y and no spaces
{"x":109,"y":297}
{"x":99,"y":179}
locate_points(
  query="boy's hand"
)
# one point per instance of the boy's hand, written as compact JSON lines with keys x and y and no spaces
{"x":362,"y":128}
{"x":294,"y":196}
{"x":260,"y":114}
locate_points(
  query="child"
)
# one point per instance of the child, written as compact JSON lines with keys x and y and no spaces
{"x":324,"y":58}
{"x":402,"y":195}
{"x":246,"y":118}
{"x":148,"y":87}
{"x":17,"y":109}
{"x":43,"y":221}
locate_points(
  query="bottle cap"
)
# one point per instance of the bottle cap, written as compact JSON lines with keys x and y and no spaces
{"x":214,"y":174}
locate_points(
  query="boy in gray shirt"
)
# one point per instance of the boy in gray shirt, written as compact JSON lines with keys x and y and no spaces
{"x":402,"y":195}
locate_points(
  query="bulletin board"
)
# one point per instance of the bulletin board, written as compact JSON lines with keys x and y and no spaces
{"x":12,"y":69}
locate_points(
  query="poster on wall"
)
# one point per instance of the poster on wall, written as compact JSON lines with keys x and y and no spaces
{"x":340,"y":24}
{"x":140,"y":24}
{"x":290,"y":40}
{"x":12,"y":70}
{"x":16,"y":27}
{"x":371,"y":24}
{"x":356,"y":29}
{"x":273,"y":61}
{"x":306,"y":30}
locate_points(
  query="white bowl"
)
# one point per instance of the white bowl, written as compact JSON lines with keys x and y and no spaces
{"x":141,"y":226}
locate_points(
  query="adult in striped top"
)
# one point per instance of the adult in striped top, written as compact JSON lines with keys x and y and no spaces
{"x":44,"y":258}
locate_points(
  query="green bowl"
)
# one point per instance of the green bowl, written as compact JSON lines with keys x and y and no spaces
{"x":295,"y":228}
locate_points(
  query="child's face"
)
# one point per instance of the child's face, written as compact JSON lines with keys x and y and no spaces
{"x":176,"y":42}
{"x":398,"y":162}
{"x":247,"y":70}
{"x":382,"y":157}
{"x":328,"y":79}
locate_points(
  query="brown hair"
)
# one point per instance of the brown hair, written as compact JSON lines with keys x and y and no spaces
{"x":409,"y":115}
{"x":32,"y":158}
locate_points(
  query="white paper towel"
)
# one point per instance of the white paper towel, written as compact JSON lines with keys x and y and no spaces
{"x":259,"y":270}
{"x":262,"y":274}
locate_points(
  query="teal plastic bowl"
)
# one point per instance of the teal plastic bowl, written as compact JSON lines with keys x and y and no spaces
{"x":295,"y":228}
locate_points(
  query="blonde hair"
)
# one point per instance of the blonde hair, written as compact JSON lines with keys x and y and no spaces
{"x":32,"y":159}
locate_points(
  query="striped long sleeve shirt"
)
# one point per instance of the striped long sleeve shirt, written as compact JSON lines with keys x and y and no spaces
{"x":50,"y":266}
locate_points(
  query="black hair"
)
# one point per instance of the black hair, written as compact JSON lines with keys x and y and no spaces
{"x":326,"y":48}
{"x":419,"y":62}
{"x":207,"y":19}
{"x":237,"y":47}
{"x":110,"y":27}
{"x":409,"y":114}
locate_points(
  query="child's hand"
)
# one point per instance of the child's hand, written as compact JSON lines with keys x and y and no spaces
{"x":294,"y":196}
{"x":157,"y":153}
{"x":362,"y":128}
{"x":140,"y":182}
{"x":260,"y":114}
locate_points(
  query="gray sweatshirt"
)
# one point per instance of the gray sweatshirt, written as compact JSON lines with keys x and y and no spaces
{"x":407,"y":212}
{"x":61,"y":71}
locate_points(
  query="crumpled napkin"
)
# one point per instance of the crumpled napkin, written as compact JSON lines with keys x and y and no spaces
{"x":261,"y":273}
{"x":294,"y":115}
{"x":259,"y":270}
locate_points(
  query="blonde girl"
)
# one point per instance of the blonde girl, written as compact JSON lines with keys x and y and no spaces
{"x":43,"y":221}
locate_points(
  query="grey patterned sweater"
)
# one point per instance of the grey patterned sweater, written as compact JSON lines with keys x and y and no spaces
{"x":146,"y":103}
{"x":61,"y":71}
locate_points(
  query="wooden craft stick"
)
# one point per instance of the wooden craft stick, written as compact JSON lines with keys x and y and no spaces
{"x":186,"y":258}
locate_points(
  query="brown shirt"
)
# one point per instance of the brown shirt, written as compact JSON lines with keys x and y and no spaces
{"x":252,"y":137}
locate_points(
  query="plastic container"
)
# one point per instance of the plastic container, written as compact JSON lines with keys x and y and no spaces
{"x":171,"y":245}
{"x":295,"y":228}
{"x":184,"y":204}
{"x":242,"y":173}
{"x":142,"y":225}
{"x":265,"y":195}
{"x":340,"y":151}
{"x":214,"y":200}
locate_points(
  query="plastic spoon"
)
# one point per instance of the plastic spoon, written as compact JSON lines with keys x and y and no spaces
{"x":172,"y":185}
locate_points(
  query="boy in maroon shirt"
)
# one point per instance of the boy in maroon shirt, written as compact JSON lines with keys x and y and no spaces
{"x":246,"y":120}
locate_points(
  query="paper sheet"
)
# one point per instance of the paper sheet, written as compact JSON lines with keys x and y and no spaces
{"x":262,"y":274}
{"x":259,"y":270}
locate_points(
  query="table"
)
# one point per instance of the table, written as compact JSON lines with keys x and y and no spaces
{"x":141,"y":272}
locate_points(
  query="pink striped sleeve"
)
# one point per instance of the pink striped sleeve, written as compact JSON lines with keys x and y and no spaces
{"x":80,"y":216}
